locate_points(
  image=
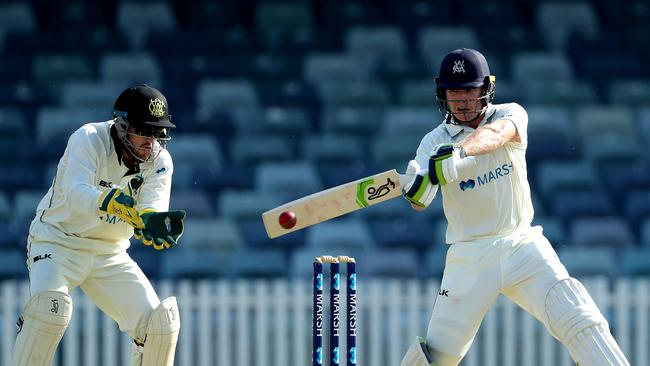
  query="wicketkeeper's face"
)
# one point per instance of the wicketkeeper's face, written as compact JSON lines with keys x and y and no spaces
{"x":464,"y":104}
{"x":142,"y":145}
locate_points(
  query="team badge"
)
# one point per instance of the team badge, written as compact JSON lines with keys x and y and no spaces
{"x":157,"y":107}
{"x":459,"y":67}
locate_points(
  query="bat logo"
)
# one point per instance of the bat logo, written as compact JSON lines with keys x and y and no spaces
{"x":373,"y":193}
{"x":55,"y":306}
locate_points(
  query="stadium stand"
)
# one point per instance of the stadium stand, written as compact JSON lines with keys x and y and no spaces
{"x":276,"y":100}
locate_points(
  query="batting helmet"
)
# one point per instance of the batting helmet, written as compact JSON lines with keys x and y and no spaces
{"x":145,"y":110}
{"x":464,"y":68}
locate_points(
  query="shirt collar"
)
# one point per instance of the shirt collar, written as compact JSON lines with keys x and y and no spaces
{"x":455,"y":129}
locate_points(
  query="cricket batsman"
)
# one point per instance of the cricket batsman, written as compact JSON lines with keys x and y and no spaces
{"x":113,"y":181}
{"x":494,"y":249}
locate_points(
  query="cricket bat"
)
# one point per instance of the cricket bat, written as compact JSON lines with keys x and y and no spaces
{"x":333,"y":202}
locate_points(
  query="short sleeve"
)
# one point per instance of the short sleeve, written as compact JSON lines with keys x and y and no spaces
{"x":517,"y":114}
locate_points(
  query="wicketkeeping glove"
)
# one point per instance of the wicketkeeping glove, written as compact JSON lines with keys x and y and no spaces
{"x":161,"y":229}
{"x":419,"y":190}
{"x":442,"y":164}
{"x":121,"y":204}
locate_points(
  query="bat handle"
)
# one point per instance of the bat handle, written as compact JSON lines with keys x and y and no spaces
{"x":404,"y":180}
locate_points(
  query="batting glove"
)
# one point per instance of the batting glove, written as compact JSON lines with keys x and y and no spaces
{"x":443,"y":164}
{"x":419,"y":190}
{"x":161,"y":229}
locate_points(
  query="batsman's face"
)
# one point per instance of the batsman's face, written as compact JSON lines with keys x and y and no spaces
{"x":464,"y":103}
{"x":142,"y":145}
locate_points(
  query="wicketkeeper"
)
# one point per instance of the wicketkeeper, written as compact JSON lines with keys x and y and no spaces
{"x":113,"y":180}
{"x":494,"y":249}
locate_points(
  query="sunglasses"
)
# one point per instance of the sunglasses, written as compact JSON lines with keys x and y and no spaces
{"x":152,"y":132}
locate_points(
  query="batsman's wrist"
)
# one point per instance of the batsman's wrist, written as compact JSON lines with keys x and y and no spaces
{"x":461,"y":151}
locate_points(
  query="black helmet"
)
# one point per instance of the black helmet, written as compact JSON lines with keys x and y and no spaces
{"x":143,"y":104}
{"x":464,"y":68}
{"x":145,"y":109}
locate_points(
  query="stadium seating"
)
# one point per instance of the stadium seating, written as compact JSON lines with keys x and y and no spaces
{"x":556,"y":21}
{"x":584,"y":262}
{"x":417,"y":93}
{"x":349,"y":233}
{"x":403,"y":233}
{"x":148,"y":262}
{"x":136,"y":19}
{"x":131,"y":68}
{"x":435,"y":260}
{"x":362,"y":121}
{"x":409,"y":121}
{"x":194,"y":202}
{"x":390,"y":151}
{"x":540,"y":66}
{"x":16,"y":16}
{"x":252,"y":150}
{"x":243,"y":205}
{"x":553,"y":229}
{"x":636,"y":207}
{"x":197,"y":149}
{"x":330,"y":148}
{"x":597,"y":120}
{"x":629,"y":93}
{"x":220,"y":235}
{"x":55,"y":125}
{"x":56,"y":70}
{"x":25,"y":203}
{"x":258,"y":263}
{"x":319,"y":68}
{"x":434,"y":43}
{"x":392,"y":263}
{"x":92,"y":94}
{"x":12,"y":125}
{"x":552,"y":176}
{"x":277,"y":100}
{"x":568,"y":205}
{"x":288,"y":181}
{"x":635,"y":262}
{"x":5,"y":207}
{"x":12,"y":264}
{"x":377,"y":46}
{"x":193,"y":264}
{"x":606,"y":232}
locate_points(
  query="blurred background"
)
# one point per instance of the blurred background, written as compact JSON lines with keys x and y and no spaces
{"x":275,"y":100}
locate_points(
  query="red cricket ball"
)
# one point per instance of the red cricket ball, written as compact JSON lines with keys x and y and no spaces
{"x":287,"y":219}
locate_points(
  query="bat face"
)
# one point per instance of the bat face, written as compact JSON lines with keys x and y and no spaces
{"x":334,"y":202}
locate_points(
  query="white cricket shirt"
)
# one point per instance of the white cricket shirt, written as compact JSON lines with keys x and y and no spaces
{"x":68,"y":215}
{"x":491,"y":198}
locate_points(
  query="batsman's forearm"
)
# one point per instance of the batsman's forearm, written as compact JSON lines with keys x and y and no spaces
{"x":484,"y":141}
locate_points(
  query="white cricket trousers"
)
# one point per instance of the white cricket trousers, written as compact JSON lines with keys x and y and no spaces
{"x":114,"y":282}
{"x":523,"y":266}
